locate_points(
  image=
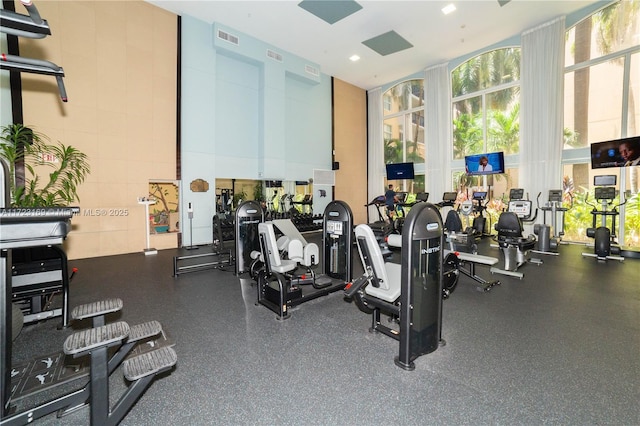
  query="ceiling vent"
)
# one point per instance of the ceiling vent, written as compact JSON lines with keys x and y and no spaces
{"x":312,"y":70}
{"x":228,"y":37}
{"x":274,"y":55}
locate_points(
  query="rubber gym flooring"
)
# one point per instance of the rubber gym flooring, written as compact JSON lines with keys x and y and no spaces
{"x":561,"y":346}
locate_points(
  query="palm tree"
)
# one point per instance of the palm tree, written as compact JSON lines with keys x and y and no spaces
{"x":504,"y":131}
{"x":393,"y":151}
{"x":488,"y":70}
{"x":467,"y":135}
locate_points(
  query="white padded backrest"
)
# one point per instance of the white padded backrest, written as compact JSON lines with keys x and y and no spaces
{"x":287,"y":227}
{"x":295,"y":250}
{"x":277,"y":264}
{"x":269,"y":235}
{"x":307,"y":255}
{"x":388,"y":273}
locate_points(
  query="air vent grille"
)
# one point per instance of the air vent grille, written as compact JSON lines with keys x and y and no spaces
{"x":309,"y":69}
{"x":223,"y":35}
{"x":274,"y":55}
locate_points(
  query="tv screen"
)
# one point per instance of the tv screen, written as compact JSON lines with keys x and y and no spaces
{"x":484,"y":164}
{"x":616,"y":153}
{"x":400,"y":171}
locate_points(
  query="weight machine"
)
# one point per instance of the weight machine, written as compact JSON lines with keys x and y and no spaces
{"x":279,"y":289}
{"x":411,"y":291}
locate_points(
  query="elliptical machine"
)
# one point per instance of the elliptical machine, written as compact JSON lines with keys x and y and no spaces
{"x":547,"y":242}
{"x":479,"y":204}
{"x":605,"y":246}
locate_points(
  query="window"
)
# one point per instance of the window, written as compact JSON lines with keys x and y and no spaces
{"x":486,"y":104}
{"x":404,"y":124}
{"x":386,"y":100}
{"x":403,"y":127}
{"x":602,"y":102}
{"x":388,"y":131}
{"x":486,"y":118}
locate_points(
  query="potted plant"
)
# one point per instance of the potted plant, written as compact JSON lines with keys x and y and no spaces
{"x":68,"y":168}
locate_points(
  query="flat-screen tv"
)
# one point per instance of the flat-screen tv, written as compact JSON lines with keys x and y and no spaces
{"x":484,"y":164}
{"x":616,"y":153}
{"x":398,"y":171}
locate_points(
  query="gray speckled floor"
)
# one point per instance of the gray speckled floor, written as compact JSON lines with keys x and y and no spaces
{"x":561,"y":346}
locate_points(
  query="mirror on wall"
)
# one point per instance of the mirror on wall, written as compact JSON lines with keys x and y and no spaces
{"x":276,"y":196}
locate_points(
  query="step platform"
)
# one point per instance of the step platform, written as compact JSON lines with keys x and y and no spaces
{"x":97,"y":310}
{"x":56,"y":369}
{"x":83,"y":342}
{"x":149,"y":363}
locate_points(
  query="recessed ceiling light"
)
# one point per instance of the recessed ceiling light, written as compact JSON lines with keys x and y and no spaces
{"x":448,"y":8}
{"x":354,"y":58}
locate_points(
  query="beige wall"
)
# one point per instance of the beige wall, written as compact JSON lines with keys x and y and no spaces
{"x":119,"y":60}
{"x":350,"y":138}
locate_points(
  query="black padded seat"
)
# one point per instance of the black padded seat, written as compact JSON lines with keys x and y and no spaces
{"x":453,"y":223}
{"x":510,"y":231}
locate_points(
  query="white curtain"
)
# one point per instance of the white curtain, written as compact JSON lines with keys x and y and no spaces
{"x":438,"y":142}
{"x":375,"y":151}
{"x":541,"y":108}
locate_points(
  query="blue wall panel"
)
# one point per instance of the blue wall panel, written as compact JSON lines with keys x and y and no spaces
{"x":245,"y":115}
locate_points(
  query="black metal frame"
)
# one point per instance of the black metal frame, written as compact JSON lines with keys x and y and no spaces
{"x":282,"y":297}
{"x":46,"y":288}
{"x":420,"y":328}
{"x":251,"y":213}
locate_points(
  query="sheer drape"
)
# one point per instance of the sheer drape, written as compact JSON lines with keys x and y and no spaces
{"x":438,"y":143}
{"x":541,"y":113}
{"x":375,"y":149}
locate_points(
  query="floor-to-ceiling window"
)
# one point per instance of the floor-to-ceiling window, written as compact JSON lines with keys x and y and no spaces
{"x":602,"y":103}
{"x":486,"y":107}
{"x":403,"y":131}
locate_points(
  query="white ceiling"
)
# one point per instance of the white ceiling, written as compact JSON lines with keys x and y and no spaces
{"x":436,"y":38}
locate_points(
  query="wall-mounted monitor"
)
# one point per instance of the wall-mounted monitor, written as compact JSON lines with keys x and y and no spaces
{"x":616,"y":153}
{"x":398,"y":171}
{"x":484,"y":164}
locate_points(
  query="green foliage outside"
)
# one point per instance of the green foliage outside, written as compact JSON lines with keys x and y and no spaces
{"x":580,"y":218}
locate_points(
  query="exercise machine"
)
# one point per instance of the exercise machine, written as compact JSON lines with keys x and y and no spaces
{"x":38,"y":275}
{"x":38,"y":227}
{"x":279,"y":287}
{"x":34,"y":27}
{"x":99,"y":343}
{"x":248,"y":215}
{"x":461,"y":241}
{"x":459,"y":237}
{"x":550,"y":235}
{"x":605,"y":243}
{"x":513,"y":245}
{"x":479,"y":200}
{"x":412,"y":291}
{"x":383,"y":226}
{"x":220,"y":255}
